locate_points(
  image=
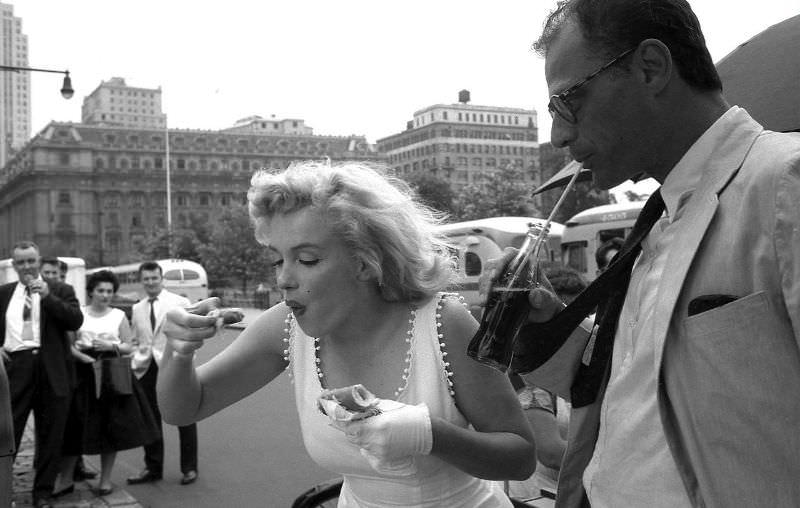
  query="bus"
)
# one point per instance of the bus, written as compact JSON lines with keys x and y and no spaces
{"x":76,"y":275}
{"x":477,"y":241}
{"x":589,"y":229}
{"x":181,"y":276}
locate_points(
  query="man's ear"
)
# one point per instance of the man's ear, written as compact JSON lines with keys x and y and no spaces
{"x":653,"y":60}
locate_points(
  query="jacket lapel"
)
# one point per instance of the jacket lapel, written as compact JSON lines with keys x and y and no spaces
{"x":699,"y":211}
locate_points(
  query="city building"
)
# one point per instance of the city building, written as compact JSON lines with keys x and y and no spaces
{"x":258,"y":125}
{"x":463,"y":142}
{"x":15,"y":106}
{"x":98,"y":191}
{"x":115,"y":103}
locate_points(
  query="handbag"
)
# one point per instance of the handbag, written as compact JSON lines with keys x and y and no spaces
{"x":112,"y":375}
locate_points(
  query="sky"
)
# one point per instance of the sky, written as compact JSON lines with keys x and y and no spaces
{"x":344,"y":66}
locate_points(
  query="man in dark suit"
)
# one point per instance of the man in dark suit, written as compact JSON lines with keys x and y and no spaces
{"x":36,"y":351}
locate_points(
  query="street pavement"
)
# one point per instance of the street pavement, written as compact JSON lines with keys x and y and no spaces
{"x":85,"y":495}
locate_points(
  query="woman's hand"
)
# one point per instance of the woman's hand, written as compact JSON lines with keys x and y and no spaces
{"x":104,"y":342}
{"x":388,"y":438}
{"x":187,"y":328}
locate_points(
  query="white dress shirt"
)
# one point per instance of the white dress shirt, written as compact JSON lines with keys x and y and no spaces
{"x":14,"y":325}
{"x":148,"y":350}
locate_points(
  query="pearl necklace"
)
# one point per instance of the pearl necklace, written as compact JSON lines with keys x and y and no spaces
{"x":406,"y":368}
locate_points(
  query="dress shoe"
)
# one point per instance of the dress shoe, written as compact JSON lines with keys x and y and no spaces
{"x":189,"y":477}
{"x":43,"y":502}
{"x":104,"y":491}
{"x":146,"y":476}
{"x":64,"y":491}
{"x":81,"y":473}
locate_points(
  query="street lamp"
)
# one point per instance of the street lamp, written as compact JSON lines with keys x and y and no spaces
{"x":66,"y":88}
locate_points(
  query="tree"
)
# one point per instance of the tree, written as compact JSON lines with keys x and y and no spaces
{"x":232,"y":255}
{"x":503,"y":193}
{"x":432,"y":190}
{"x":186,"y":241}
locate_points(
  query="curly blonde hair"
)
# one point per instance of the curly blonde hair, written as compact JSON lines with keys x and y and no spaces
{"x":375,"y":215}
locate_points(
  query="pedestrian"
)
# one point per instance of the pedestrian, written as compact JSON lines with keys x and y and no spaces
{"x":362,"y":273}
{"x":606,"y":252}
{"x":36,"y":351}
{"x":106,"y":420}
{"x":53,"y":269}
{"x":147,"y":313}
{"x":694,"y":399}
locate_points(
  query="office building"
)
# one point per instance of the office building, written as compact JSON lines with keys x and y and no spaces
{"x":114,"y":103}
{"x":15,"y":106}
{"x":463,"y":143}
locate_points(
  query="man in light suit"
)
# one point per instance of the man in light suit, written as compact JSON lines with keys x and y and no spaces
{"x":37,"y":315}
{"x":694,"y":398}
{"x":145,"y":317}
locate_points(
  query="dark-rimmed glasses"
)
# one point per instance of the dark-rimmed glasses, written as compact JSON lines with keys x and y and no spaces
{"x":559,"y":103}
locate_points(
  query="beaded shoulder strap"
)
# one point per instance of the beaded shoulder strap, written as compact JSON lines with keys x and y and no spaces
{"x":441,"y":339}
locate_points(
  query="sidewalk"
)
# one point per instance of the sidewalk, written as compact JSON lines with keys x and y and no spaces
{"x":83,"y":497}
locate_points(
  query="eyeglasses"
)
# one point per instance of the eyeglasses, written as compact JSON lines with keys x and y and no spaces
{"x":559,"y":103}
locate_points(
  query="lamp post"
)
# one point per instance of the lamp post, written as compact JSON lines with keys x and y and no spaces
{"x":66,"y":87}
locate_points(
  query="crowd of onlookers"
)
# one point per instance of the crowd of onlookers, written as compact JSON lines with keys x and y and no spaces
{"x":87,"y":373}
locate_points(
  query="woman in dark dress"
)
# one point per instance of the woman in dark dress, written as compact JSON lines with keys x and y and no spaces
{"x":104,"y":422}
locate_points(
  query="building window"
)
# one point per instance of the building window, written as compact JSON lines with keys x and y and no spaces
{"x":99,"y":164}
{"x":225,"y":200}
{"x":136,"y":220}
{"x":444,"y":115}
{"x":181,"y":164}
{"x":64,"y":158}
{"x":159,"y":163}
{"x":64,"y":198}
{"x":183,"y":200}
{"x":203,"y":199}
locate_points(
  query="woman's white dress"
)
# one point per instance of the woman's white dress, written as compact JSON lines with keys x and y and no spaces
{"x":437,"y":483}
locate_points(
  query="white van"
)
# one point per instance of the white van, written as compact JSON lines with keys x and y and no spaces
{"x":76,"y":275}
{"x":478,"y":241}
{"x":589,"y":229}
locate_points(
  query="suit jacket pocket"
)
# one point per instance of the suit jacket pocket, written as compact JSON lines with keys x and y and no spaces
{"x":730,"y":317}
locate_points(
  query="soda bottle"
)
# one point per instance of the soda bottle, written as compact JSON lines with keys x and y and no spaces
{"x":507,"y":307}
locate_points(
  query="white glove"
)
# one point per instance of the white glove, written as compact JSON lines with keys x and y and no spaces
{"x":391,"y":439}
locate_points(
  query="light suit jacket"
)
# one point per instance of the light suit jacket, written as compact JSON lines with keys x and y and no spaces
{"x":729,"y":378}
{"x":149,"y":349}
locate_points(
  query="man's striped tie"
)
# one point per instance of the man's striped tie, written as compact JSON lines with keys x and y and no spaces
{"x":26,"y":309}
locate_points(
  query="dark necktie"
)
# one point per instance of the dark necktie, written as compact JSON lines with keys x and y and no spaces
{"x":539,"y":341}
{"x":26,"y":307}
{"x":152,"y":315}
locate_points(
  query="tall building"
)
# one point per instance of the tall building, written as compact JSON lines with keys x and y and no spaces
{"x":15,"y":107}
{"x":115,"y":103}
{"x":463,"y":142}
{"x":98,"y":192}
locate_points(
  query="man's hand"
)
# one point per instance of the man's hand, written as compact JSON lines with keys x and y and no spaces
{"x":39,"y":286}
{"x":542,"y":298}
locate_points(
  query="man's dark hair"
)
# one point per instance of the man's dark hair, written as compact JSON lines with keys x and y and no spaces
{"x":149,"y":266}
{"x":601,"y":252}
{"x":62,"y":265}
{"x":101,"y":276}
{"x":617,"y":25}
{"x":50,"y":261}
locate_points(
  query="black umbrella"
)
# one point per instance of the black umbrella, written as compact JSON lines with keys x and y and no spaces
{"x":763,"y":76}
